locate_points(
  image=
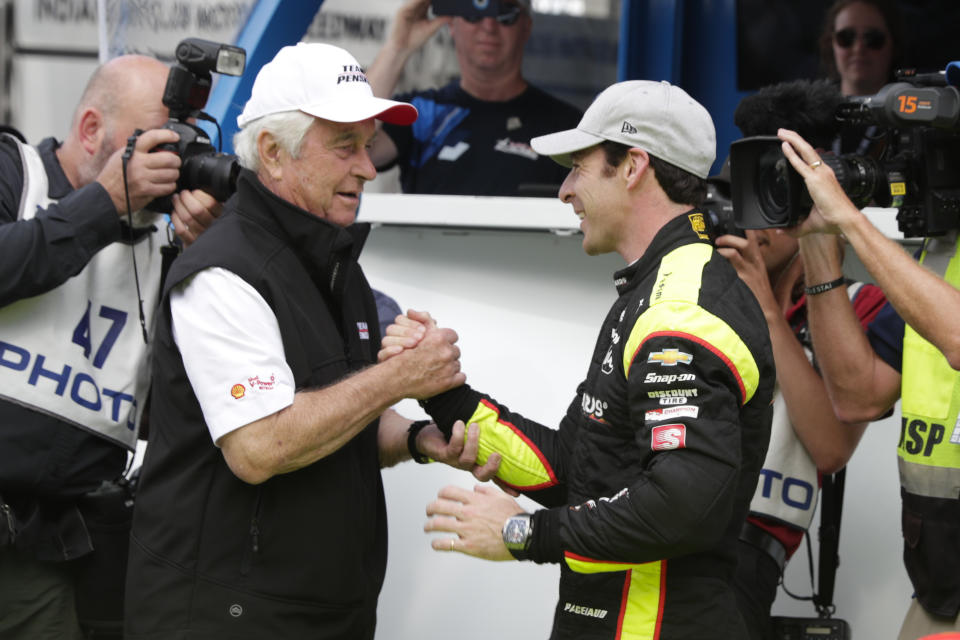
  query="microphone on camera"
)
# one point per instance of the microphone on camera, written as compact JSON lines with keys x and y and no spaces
{"x":805,"y":106}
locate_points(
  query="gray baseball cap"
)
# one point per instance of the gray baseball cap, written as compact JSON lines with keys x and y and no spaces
{"x":658,"y":117}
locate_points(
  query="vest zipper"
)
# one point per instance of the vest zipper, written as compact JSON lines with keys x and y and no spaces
{"x":253,"y":546}
{"x":8,"y":517}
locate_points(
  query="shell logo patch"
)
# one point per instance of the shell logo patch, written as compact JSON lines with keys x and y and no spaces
{"x":238,"y":391}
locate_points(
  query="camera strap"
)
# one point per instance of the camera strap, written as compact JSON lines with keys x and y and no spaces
{"x":831,"y":510}
{"x":127,"y":155}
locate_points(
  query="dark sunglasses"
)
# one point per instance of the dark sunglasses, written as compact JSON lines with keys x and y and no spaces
{"x":509,"y":14}
{"x":873,"y":38}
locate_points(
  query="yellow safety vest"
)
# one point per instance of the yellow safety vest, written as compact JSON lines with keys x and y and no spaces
{"x":929,"y":450}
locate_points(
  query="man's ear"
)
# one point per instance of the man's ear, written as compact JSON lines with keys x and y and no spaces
{"x":269,"y":151}
{"x":91,"y":130}
{"x":635,"y":166}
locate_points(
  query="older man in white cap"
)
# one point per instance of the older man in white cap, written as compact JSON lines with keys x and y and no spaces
{"x":646,"y":482}
{"x":260,"y":512}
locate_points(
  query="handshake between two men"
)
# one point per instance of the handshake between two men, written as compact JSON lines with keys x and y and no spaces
{"x":474,"y":518}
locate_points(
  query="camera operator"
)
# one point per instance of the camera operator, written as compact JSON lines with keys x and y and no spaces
{"x":806,"y":437}
{"x":73,"y":353}
{"x":865,"y":374}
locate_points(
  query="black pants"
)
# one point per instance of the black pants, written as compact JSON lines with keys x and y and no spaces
{"x":755,"y":584}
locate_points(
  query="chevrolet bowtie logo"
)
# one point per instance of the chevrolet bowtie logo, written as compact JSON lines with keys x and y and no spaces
{"x":670,"y":357}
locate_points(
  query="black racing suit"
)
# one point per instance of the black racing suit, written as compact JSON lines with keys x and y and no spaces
{"x":649,"y":476}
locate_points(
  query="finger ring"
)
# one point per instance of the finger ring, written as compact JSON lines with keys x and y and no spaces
{"x":815,"y":164}
{"x":453,"y":543}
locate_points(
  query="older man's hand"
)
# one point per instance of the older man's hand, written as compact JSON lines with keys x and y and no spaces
{"x":433,"y":365}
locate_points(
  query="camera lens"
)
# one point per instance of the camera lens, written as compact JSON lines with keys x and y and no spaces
{"x":215,"y":173}
{"x":861,"y":178}
{"x":771,"y":181}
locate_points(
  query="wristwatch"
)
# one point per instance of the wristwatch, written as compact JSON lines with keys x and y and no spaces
{"x":517,"y":532}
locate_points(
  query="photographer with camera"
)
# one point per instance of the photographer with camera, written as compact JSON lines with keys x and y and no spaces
{"x":73,"y":355}
{"x":806,"y":439}
{"x":866,"y":374}
{"x":473,"y":135}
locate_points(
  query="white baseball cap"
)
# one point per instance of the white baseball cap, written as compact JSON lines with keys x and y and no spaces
{"x":323,"y":81}
{"x":657,"y":117}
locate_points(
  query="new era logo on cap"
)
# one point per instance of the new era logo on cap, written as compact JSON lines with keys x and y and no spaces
{"x":627,"y":128}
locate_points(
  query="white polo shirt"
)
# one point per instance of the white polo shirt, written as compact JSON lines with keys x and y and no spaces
{"x":230,"y":343}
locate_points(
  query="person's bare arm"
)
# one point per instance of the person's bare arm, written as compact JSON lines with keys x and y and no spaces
{"x":925,"y":301}
{"x":321,"y":421}
{"x":829,"y":441}
{"x":411,"y":29}
{"x":860,"y":384}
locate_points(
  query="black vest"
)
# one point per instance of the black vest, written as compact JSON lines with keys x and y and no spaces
{"x":304,"y":553}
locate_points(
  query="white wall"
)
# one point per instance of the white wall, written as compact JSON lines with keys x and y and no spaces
{"x":527,"y":306}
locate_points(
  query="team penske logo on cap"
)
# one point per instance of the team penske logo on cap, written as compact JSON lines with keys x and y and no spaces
{"x":351,"y":73}
{"x":698,"y":225}
{"x":669,"y":357}
{"x":667,"y":437}
{"x":238,"y":391}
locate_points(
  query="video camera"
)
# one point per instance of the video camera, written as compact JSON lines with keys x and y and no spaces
{"x":185,"y":95}
{"x":918,"y":171}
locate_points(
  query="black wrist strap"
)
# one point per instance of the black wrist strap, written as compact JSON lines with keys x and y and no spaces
{"x":412,"y":432}
{"x":825,"y":286}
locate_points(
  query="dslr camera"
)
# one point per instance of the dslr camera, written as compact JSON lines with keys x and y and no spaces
{"x":471,"y":9}
{"x":917,"y":118}
{"x":185,"y":95}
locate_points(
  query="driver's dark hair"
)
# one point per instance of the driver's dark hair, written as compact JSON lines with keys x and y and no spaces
{"x":680,"y":185}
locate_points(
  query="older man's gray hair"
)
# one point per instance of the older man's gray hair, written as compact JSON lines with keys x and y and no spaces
{"x":288,"y":127}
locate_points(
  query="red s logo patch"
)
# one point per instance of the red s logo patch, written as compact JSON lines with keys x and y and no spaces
{"x":667,"y":437}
